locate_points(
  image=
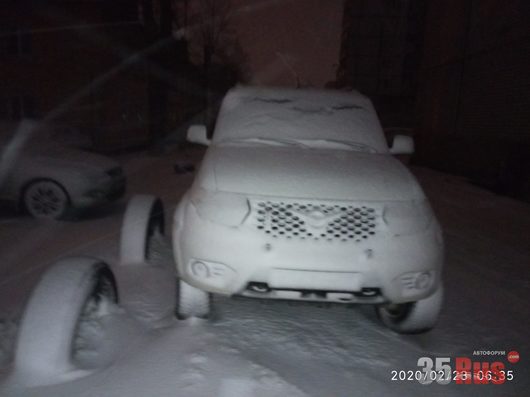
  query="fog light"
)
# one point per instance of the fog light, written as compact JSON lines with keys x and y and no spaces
{"x":200,"y":270}
{"x":213,"y":274}
{"x":416,"y":282}
{"x":422,"y":280}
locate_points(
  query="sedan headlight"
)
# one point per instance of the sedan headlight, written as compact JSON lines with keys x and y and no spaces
{"x":228,"y":209}
{"x":408,"y":217}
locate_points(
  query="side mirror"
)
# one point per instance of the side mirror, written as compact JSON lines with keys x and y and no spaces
{"x":402,"y":144}
{"x":198,"y":134}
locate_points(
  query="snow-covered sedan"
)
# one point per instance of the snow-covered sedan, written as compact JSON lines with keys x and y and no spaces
{"x":299,"y":197}
{"x":47,"y":179}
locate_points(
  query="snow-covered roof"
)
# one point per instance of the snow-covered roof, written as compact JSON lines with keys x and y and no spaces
{"x":249,"y":112}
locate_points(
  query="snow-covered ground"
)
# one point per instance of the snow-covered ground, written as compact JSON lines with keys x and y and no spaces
{"x":273,"y":348}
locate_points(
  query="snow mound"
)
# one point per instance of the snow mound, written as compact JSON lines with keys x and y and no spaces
{"x":148,"y":292}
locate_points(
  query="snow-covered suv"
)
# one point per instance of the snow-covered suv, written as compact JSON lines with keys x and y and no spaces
{"x":299,"y":197}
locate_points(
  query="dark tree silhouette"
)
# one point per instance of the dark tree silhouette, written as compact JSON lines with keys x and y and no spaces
{"x":164,"y":58}
{"x":223,"y":59}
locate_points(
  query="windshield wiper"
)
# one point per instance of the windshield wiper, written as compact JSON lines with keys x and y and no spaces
{"x":273,"y":141}
{"x":324,"y":143}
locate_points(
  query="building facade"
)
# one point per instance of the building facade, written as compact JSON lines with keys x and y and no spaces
{"x":474,"y":96}
{"x":381,"y":53}
{"x":69,"y":62}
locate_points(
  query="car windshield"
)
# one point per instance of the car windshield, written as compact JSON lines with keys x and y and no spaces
{"x":312,"y":118}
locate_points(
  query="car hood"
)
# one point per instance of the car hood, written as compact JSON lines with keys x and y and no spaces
{"x":70,"y":158}
{"x":309,"y":173}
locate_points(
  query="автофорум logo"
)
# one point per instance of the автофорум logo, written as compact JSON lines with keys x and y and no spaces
{"x":462,"y":370}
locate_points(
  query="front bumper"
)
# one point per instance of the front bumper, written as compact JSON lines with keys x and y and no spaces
{"x":243,"y":261}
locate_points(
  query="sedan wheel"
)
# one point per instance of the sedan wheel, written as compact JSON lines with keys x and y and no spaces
{"x":45,"y":199}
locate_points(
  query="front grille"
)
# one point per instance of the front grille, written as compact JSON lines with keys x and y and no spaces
{"x":314,"y":221}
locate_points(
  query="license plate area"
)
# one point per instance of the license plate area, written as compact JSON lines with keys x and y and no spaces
{"x":315,"y":280}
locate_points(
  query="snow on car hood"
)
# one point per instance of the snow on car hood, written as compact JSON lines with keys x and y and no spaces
{"x":307,"y":173}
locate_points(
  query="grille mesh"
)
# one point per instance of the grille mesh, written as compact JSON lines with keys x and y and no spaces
{"x":314,"y":221}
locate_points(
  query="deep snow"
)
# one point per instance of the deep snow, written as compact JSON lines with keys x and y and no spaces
{"x":255,"y":348}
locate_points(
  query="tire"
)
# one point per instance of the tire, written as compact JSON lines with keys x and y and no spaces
{"x":191,"y":301}
{"x":413,"y":317}
{"x":143,"y":221}
{"x":45,"y":199}
{"x":45,"y":348}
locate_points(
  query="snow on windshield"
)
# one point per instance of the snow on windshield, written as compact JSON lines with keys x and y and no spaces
{"x":302,"y":114}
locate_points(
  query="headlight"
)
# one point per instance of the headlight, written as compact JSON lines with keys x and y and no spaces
{"x":228,"y":209}
{"x":408,"y":217}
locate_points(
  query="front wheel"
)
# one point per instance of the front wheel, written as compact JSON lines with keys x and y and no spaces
{"x":412,"y":317}
{"x":143,"y":221}
{"x":191,"y":301}
{"x":45,"y":199}
{"x":52,"y":332}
